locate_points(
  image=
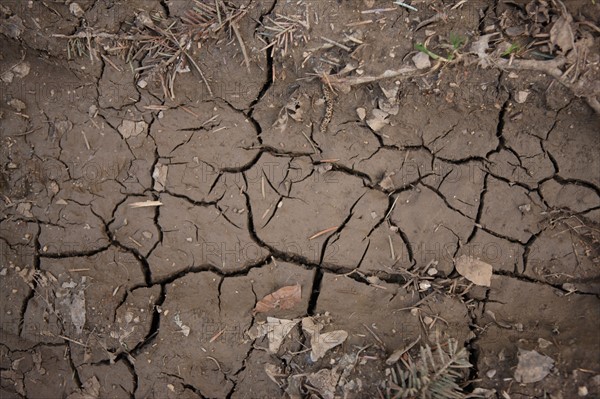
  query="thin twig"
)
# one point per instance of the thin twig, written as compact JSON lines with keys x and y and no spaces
{"x":201,"y":74}
{"x":242,"y":45}
{"x":336,"y":44}
{"x":394,"y":357}
{"x":309,"y":142}
{"x":112,"y":64}
{"x":373,"y":334}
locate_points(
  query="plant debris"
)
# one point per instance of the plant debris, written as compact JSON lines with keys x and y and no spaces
{"x":162,"y":45}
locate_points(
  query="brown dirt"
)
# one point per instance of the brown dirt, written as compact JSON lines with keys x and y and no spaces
{"x":460,"y":169}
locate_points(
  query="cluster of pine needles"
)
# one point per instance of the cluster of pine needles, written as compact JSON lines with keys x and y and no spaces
{"x":435,"y":374}
{"x":284,"y":31}
{"x":161,"y":46}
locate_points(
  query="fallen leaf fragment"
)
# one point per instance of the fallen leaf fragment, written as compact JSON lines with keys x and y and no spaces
{"x":532,"y":366}
{"x":325,"y":381}
{"x":284,"y":298}
{"x":185,"y":330}
{"x":131,"y":128}
{"x":361,"y":112}
{"x":474,"y":270}
{"x":325,"y":342}
{"x":378,"y":120}
{"x":160,"y":176}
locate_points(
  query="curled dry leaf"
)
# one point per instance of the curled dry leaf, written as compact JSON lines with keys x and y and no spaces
{"x":275,"y":329}
{"x":474,"y":270}
{"x":480,"y":48}
{"x":284,"y":298}
{"x":282,"y":120}
{"x":561,"y":34}
{"x":321,"y":343}
{"x":293,"y":109}
{"x":532,"y":366}
{"x":325,"y":381}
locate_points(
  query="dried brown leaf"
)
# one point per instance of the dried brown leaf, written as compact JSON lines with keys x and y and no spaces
{"x":284,"y":298}
{"x":561,"y":34}
{"x":474,"y":270}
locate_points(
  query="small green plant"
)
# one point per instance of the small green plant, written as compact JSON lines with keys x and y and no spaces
{"x":457,"y":41}
{"x":512,"y":49}
{"x":421,"y":47}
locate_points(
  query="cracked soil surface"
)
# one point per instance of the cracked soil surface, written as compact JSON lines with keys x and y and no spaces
{"x":461,"y":168}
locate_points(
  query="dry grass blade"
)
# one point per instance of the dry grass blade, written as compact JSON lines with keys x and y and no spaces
{"x":145,"y":204}
{"x":236,"y":30}
{"x":320,"y":233}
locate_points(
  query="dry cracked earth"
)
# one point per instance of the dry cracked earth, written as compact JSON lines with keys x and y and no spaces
{"x":167,"y":292}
